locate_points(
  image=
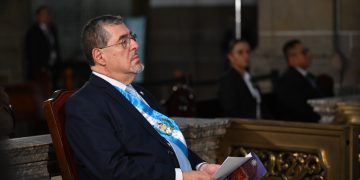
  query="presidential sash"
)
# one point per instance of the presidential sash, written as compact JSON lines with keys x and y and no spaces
{"x":164,"y":125}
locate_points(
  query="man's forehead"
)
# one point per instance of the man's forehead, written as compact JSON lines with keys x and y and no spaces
{"x":299,"y":45}
{"x":117,"y":29}
{"x":241,"y":45}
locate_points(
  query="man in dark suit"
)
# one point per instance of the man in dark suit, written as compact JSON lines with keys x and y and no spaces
{"x":42,"y":46}
{"x":297,"y":85}
{"x":115,"y":128}
{"x":237,"y":94}
{"x":6,"y":115}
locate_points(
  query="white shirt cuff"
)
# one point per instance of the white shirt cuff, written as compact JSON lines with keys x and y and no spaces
{"x":199,"y":165}
{"x":178,"y":174}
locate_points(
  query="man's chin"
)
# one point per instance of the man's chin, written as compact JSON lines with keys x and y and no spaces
{"x":139,"y":68}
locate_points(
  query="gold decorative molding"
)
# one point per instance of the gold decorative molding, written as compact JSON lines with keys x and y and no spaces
{"x":348,"y":112}
{"x":286,"y":165}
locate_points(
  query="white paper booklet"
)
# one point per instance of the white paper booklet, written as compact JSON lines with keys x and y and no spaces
{"x":229,"y":165}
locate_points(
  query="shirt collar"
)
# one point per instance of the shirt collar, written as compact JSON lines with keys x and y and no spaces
{"x":246,"y":76}
{"x":110,"y":80}
{"x":43,"y":27}
{"x":301,"y":71}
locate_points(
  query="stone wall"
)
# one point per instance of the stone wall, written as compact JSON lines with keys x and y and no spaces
{"x":31,"y":157}
{"x":203,"y":135}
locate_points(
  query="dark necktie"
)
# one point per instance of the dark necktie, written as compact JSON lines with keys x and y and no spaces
{"x":311,"y":79}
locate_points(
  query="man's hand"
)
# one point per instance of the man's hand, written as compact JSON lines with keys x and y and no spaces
{"x":205,"y":172}
{"x":209,"y":169}
{"x":196,"y":175}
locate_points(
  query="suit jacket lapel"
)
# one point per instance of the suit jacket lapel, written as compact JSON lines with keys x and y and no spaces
{"x":302,"y":79}
{"x":242,"y":85}
{"x":111,"y":91}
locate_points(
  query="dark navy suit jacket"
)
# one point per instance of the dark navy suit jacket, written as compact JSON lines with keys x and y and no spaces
{"x":293,"y":90}
{"x":110,"y":139}
{"x":38,"y":49}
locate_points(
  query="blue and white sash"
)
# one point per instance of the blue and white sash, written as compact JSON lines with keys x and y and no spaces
{"x":164,"y":125}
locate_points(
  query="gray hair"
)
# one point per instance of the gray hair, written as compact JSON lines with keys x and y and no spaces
{"x":94,"y":35}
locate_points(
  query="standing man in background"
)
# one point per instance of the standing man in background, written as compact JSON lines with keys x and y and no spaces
{"x":42,"y":47}
{"x":297,"y":85}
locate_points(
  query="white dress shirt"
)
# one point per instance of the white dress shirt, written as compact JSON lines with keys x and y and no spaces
{"x":254,"y":92}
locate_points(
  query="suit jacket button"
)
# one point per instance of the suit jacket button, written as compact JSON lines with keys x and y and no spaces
{"x":170,"y":152}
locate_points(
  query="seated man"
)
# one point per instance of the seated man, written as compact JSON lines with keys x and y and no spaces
{"x":115,"y":128}
{"x":297,"y":85}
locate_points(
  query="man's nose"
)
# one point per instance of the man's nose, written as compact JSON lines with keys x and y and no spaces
{"x":134,"y":44}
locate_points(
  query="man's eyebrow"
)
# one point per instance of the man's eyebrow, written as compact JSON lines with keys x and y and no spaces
{"x":124,"y":36}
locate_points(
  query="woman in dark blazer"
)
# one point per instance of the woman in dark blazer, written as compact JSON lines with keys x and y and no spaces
{"x":237,"y":95}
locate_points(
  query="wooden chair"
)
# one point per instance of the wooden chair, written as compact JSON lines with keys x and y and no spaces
{"x":55,"y":116}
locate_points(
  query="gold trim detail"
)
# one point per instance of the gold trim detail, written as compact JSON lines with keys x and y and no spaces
{"x":286,"y":165}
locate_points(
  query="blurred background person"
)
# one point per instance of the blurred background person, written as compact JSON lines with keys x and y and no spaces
{"x":6,"y":130}
{"x":6,"y":116}
{"x":297,"y":85}
{"x":42,"y":48}
{"x":238,"y":96}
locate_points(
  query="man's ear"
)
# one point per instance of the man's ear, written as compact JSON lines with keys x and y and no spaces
{"x":98,"y":56}
{"x":229,"y":56}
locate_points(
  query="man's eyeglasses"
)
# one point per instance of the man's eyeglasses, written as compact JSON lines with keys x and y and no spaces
{"x":124,"y":42}
{"x":305,"y":51}
{"x":242,"y":52}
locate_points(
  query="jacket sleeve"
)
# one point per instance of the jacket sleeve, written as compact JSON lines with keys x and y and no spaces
{"x":293,"y":103}
{"x":194,"y":159}
{"x":231,"y":99}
